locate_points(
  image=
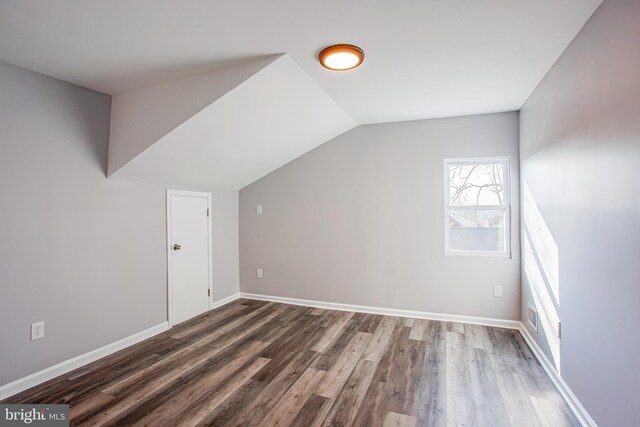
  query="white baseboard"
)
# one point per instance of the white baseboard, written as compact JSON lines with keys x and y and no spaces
{"x":62,"y":368}
{"x":225,"y":300}
{"x":573,"y":402}
{"x":484,"y":321}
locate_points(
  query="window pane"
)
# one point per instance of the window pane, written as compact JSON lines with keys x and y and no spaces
{"x":477,"y":230}
{"x":476,"y":185}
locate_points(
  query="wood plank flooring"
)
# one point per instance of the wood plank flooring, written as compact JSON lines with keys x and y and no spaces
{"x":253,"y":363}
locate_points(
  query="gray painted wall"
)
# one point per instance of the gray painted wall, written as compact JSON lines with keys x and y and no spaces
{"x":85,"y":254}
{"x":360,"y":220}
{"x":580,"y":154}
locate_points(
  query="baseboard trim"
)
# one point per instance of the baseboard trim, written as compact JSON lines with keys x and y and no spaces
{"x":225,"y":300}
{"x":62,"y":368}
{"x":579,"y":411}
{"x":484,"y":321}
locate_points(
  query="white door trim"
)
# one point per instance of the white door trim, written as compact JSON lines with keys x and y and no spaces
{"x":170,"y":252}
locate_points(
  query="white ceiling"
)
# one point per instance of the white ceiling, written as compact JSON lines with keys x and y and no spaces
{"x":265,"y":121}
{"x":141,"y":117}
{"x":424,"y":58}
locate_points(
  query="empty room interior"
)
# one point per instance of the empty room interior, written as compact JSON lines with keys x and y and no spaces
{"x":331,"y":213}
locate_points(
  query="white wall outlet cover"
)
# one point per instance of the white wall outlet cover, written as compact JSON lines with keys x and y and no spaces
{"x":259,"y":273}
{"x":497,"y":291}
{"x":259,"y":209}
{"x":37,"y":330}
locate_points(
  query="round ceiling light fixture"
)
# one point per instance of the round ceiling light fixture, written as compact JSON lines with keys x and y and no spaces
{"x":341,"y":57}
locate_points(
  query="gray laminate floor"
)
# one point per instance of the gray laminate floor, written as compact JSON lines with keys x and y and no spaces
{"x":258,"y":363}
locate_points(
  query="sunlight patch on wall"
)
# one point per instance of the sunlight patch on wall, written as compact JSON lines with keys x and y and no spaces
{"x":543,"y":242}
{"x":548,"y":315}
{"x":541,"y":261}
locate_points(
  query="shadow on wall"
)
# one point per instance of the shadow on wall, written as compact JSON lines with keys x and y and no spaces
{"x":92,"y":128}
{"x":541,"y":269}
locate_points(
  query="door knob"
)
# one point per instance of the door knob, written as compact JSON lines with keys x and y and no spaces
{"x":176,"y":247}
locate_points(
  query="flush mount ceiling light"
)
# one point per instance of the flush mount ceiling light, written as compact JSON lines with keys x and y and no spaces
{"x":341,"y":57}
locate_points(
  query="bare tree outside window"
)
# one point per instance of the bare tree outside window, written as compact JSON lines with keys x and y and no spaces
{"x":475,"y":185}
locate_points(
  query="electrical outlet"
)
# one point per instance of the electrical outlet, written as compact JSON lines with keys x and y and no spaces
{"x":259,"y":273}
{"x":259,"y":209}
{"x":37,"y":330}
{"x":497,"y":291}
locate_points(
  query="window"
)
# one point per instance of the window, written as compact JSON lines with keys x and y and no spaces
{"x":477,"y":207}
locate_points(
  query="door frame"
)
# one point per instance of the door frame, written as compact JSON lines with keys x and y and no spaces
{"x":184,"y":193}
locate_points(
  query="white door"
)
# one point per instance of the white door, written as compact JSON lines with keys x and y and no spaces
{"x":189,"y":238}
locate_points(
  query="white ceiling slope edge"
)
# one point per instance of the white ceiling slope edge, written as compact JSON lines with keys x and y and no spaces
{"x":141,"y":117}
{"x":269,"y":119}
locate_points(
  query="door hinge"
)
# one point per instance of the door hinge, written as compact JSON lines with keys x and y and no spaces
{"x":207,"y":212}
{"x":208,"y":292}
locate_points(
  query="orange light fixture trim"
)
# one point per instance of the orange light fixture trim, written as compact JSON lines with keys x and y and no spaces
{"x":341,"y":57}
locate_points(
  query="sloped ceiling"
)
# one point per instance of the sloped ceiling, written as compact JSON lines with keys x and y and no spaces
{"x":224,"y":129}
{"x":140,"y":118}
{"x":424,"y":58}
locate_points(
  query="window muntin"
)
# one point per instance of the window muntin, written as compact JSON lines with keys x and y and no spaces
{"x":477,"y":209}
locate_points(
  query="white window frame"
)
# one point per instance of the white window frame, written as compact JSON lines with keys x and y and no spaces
{"x":506,"y":206}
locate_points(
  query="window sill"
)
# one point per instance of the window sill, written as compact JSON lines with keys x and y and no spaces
{"x":506,"y":255}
